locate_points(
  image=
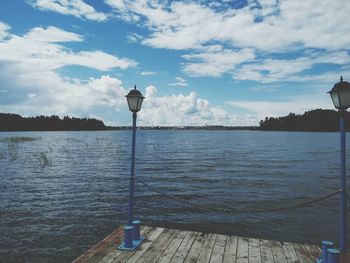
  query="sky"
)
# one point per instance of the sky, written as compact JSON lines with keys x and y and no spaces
{"x":196,"y":62}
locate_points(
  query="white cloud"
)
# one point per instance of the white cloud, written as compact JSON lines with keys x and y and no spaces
{"x":260,"y":24}
{"x":104,"y":91}
{"x":36,"y":88}
{"x":179,"y":82}
{"x":181,"y":110}
{"x":298,"y":104}
{"x":134,"y":38}
{"x":38,"y":50}
{"x":28,"y":69}
{"x":185,"y":26}
{"x":57,"y":95}
{"x":271,"y":70}
{"x":148,"y":73}
{"x":327,"y":78}
{"x":52,"y":35}
{"x":3,"y":30}
{"x":31,"y":95}
{"x":77,"y":8}
{"x":217,"y":34}
{"x":216,"y":63}
{"x":101,"y":61}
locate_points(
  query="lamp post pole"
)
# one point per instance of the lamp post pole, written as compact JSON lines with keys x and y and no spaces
{"x":340,"y":94}
{"x":132,"y":237}
{"x":343,"y":212}
{"x":132,"y":173}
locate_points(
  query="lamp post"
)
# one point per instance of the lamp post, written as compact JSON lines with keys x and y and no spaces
{"x":132,"y":238}
{"x":340,"y":95}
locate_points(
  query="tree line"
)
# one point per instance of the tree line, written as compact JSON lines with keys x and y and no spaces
{"x":15,"y":122}
{"x":314,"y":120}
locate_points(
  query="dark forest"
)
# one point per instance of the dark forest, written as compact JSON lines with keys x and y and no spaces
{"x":314,"y":120}
{"x":15,"y":122}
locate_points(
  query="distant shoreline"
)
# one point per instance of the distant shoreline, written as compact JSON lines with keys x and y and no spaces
{"x":194,"y":128}
{"x":311,"y":121}
{"x":150,"y":128}
{"x":208,"y":127}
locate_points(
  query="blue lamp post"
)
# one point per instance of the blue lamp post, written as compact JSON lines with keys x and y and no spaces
{"x":340,"y":95}
{"x":132,"y":238}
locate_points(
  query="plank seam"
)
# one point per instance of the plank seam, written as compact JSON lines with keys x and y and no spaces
{"x":248,"y":249}
{"x":172,"y":237}
{"x":216,"y":237}
{"x":236,"y":249}
{"x":188,"y":232}
{"x":188,"y":251}
{"x":201,"y":246}
{"x":260,"y":250}
{"x":223,"y":255}
{"x":167,"y":247}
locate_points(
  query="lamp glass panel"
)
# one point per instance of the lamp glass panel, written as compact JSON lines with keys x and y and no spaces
{"x":344,"y":96}
{"x":335,"y":99}
{"x":139,"y":103}
{"x":133,"y":103}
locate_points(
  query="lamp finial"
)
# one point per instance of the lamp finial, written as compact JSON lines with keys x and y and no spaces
{"x":341,"y":78}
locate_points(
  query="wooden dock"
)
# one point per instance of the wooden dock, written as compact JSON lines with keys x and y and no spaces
{"x":172,"y":245}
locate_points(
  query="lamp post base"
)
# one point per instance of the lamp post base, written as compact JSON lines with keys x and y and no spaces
{"x":135,"y":244}
{"x":132,"y":237}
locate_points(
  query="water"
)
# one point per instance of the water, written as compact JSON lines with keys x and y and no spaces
{"x":62,"y":192}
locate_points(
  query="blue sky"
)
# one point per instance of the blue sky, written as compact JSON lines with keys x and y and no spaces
{"x":196,"y":62}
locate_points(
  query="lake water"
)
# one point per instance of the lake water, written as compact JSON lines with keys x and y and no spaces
{"x":63,"y":192}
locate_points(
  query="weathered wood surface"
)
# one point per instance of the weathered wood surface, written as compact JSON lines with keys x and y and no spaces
{"x":171,"y":245}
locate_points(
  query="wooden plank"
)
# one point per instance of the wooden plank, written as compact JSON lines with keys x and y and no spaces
{"x":318,"y":248}
{"x":110,"y":256}
{"x":242,"y":250}
{"x":302,"y":253}
{"x":314,"y":251}
{"x":173,"y":246}
{"x":115,"y":253}
{"x":230,"y":250}
{"x":196,"y":248}
{"x":156,"y":249}
{"x":150,"y":238}
{"x":266,"y":251}
{"x":185,"y":246}
{"x":219,"y":249}
{"x":289,"y":252}
{"x":207,"y":249}
{"x":345,"y":258}
{"x":102,"y":248}
{"x":170,"y":245}
{"x":278,"y":252}
{"x":118,"y":257}
{"x":254,"y":250}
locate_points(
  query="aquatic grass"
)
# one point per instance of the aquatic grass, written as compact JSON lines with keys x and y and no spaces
{"x":13,"y":143}
{"x":12,"y":150}
{"x":71,"y":139}
{"x":19,"y":139}
{"x":42,"y":158}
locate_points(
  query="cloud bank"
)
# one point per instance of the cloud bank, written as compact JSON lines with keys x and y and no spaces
{"x":77,"y":8}
{"x":181,"y":110}
{"x":244,"y":41}
{"x":29,"y":70}
{"x":30,"y":64}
